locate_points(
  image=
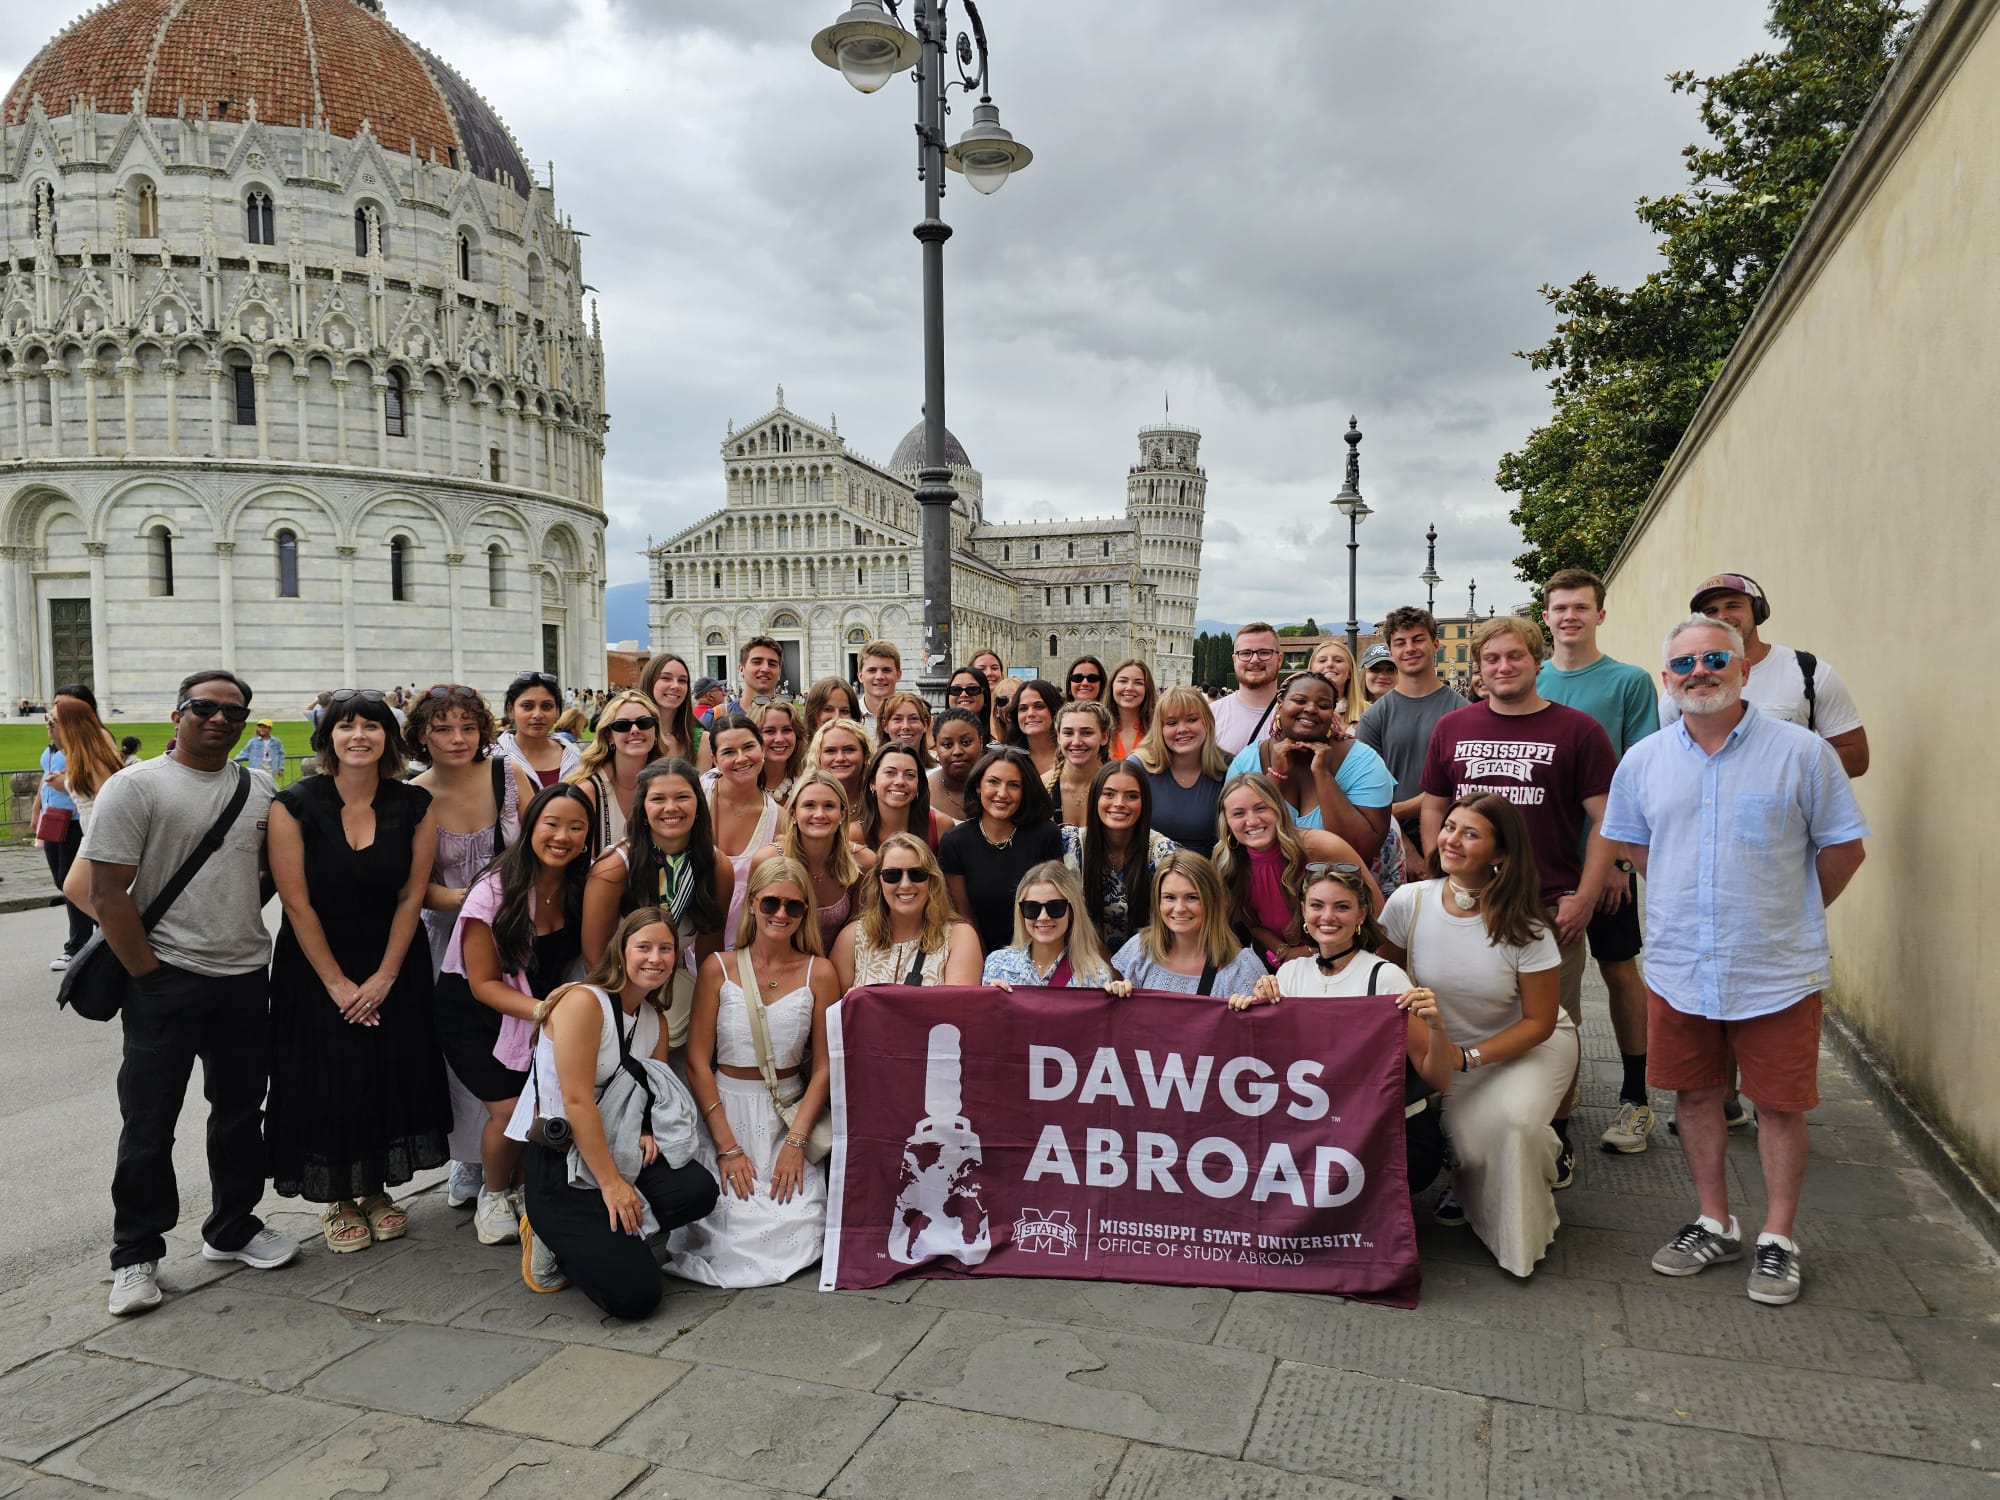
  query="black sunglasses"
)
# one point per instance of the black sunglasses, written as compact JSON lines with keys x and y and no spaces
{"x":626,"y":726}
{"x":529,"y":679}
{"x":208,"y":708}
{"x":348,"y":695}
{"x":1055,"y":910}
{"x":1086,"y":677}
{"x":916,"y":875}
{"x":770,"y":906}
{"x":1003,"y":702}
{"x":964,"y":690}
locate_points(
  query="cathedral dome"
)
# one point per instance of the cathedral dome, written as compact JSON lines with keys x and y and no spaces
{"x":331,"y":63}
{"x":909,"y":456}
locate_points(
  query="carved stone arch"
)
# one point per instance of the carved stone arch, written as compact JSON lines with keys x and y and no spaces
{"x":561,"y":546}
{"x":296,"y":500}
{"x":100,"y":527}
{"x":25,"y":515}
{"x":423,"y":505}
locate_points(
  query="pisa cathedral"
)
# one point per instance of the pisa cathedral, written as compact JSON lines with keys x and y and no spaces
{"x":298,"y":377}
{"x":821,"y":549}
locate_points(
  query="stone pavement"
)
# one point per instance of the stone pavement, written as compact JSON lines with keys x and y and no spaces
{"x":424,"y":1368}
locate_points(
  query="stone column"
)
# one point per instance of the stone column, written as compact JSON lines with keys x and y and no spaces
{"x":16,"y":629}
{"x":576,"y":596}
{"x":379,"y":388}
{"x":215,"y":374}
{"x":225,"y":580}
{"x":100,"y":644}
{"x":21,"y":379}
{"x":261,"y":379}
{"x":57,"y":375}
{"x":349,"y":668}
{"x":340,"y":417}
{"x":172,"y":371}
{"x":454,"y":563}
{"x":301,"y":381}
{"x":451,"y":430}
{"x":413,"y":423}
{"x":548,"y":425}
{"x":128,"y":377}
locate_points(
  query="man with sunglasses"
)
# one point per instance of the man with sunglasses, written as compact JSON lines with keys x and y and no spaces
{"x":199,"y":988}
{"x":1247,"y":713}
{"x":1746,"y":829}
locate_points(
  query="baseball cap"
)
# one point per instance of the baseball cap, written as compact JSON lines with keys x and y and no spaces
{"x":1729,"y":583}
{"x":266,"y":724}
{"x":703,"y":686}
{"x":1376,"y":655}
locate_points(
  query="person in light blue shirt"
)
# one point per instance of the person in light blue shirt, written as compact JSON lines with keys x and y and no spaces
{"x":1746,"y":829}
{"x":265,"y":752}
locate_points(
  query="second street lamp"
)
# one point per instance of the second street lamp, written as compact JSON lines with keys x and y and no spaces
{"x":868,"y":44}
{"x":1429,"y":577}
{"x":1350,"y":504}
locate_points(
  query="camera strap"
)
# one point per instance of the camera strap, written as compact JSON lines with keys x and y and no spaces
{"x":625,"y":1061}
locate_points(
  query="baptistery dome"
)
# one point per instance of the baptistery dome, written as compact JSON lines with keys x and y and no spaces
{"x":297,"y":373}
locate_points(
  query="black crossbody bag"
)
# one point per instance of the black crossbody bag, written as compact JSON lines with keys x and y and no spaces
{"x":95,"y":985}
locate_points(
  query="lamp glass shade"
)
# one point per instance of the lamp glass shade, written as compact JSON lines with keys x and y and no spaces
{"x":987,"y":168}
{"x":867,"y":61}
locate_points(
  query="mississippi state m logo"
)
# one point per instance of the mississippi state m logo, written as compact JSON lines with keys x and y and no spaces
{"x":1035,"y":1232}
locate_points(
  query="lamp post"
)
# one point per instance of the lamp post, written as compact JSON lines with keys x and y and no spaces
{"x":869,"y":44}
{"x":1429,"y":577}
{"x":1471,"y":603}
{"x":1351,"y":505}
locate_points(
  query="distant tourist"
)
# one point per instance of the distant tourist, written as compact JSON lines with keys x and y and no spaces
{"x":265,"y":751}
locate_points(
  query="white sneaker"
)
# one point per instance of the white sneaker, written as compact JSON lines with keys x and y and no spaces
{"x":1629,"y":1132}
{"x":59,"y":963}
{"x":467,"y":1178}
{"x":135,"y":1288}
{"x":267,"y":1249}
{"x":495,"y":1220}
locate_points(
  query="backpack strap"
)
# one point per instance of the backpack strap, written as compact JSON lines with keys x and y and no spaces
{"x":1207,"y":985}
{"x":499,"y":801}
{"x":1808,"y":665}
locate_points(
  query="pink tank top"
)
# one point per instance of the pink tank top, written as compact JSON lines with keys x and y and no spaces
{"x":1268,"y":907}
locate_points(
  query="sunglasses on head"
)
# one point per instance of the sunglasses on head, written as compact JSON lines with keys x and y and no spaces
{"x":208,"y":708}
{"x":916,"y":875}
{"x":1715,"y":661}
{"x":626,"y":726}
{"x":1331,"y":867}
{"x":1003,"y":702}
{"x":348,"y":695}
{"x":451,"y":690}
{"x":528,"y":679}
{"x":1054,"y":910}
{"x":770,"y":906}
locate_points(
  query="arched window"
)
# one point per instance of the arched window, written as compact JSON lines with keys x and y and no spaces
{"x":366,"y":217}
{"x":464,"y":256}
{"x":149,"y":212}
{"x":1054,"y":645}
{"x":399,"y":569}
{"x":288,"y":565}
{"x":496,"y":575}
{"x":258,"y":228}
{"x":45,"y":208}
{"x":1107,"y":546}
{"x":392,"y":405}
{"x":159,"y":562}
{"x":1072,"y":549}
{"x":537,"y":283}
{"x":246,"y":396}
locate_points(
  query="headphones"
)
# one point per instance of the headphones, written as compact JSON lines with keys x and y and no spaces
{"x":1735,"y":583}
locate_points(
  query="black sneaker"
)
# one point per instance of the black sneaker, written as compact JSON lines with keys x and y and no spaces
{"x":1448,"y":1212}
{"x":1565,"y":1167}
{"x":1774,"y":1275}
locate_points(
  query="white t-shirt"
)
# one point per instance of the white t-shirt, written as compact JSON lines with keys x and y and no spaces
{"x":1778,"y":688}
{"x":1477,"y":981}
{"x":1302,"y":976}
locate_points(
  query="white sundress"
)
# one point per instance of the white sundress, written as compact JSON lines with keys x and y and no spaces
{"x":756,"y":1241}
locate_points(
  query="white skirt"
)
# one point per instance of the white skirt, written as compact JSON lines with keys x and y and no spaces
{"x":756,"y":1241}
{"x":1504,"y":1151}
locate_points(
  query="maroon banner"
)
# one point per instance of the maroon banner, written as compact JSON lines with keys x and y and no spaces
{"x":1158,"y":1138}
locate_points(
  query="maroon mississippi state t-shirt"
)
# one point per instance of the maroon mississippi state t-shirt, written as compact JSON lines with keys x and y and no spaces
{"x":1545,"y":763}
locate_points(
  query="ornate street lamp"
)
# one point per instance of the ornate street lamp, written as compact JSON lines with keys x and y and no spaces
{"x":869,"y":44}
{"x":1429,"y":577}
{"x":1351,"y":505}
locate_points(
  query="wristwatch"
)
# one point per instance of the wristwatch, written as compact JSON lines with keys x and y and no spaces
{"x":1626,"y":865}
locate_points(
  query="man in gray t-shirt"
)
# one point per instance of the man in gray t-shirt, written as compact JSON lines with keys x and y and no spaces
{"x":199,"y":987}
{"x":1398,"y":725}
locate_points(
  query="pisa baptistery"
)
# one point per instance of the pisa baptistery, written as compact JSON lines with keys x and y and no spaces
{"x":297,"y":373}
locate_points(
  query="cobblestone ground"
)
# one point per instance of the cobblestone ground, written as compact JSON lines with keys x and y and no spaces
{"x":423,"y":1368}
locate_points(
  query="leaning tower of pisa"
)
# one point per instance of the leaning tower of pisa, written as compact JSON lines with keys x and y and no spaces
{"x":1166,"y":492}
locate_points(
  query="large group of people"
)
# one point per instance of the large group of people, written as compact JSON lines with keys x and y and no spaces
{"x":592,"y":974}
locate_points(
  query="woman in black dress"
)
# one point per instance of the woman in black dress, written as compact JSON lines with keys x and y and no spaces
{"x":358,"y":1101}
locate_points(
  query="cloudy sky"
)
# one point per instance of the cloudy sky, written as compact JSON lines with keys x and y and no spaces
{"x":1281,"y":214}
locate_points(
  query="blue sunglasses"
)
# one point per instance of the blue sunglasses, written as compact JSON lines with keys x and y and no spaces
{"x":1715,"y":661}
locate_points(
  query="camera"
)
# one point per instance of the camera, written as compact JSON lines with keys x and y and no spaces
{"x":551,"y":1131}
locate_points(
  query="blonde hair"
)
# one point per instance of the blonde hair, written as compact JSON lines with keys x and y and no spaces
{"x":1353,"y":697}
{"x":926,"y":761}
{"x":1232,"y":860}
{"x":1152,"y":752}
{"x":601,"y":751}
{"x":805,"y":936}
{"x":1520,"y":627}
{"x":608,"y":973}
{"x":819,"y":738}
{"x":1087,"y":959}
{"x":937,"y":901}
{"x":1218,"y":942}
{"x":572,"y":721}
{"x":843,"y":866}
{"x":1090,"y":708}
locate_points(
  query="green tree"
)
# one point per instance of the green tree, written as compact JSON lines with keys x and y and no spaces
{"x":1629,"y":368}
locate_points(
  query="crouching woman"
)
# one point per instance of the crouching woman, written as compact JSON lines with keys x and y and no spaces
{"x":632,"y":1126}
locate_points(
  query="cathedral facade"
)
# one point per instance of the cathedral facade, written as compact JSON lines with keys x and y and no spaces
{"x":298,"y":378}
{"x":821,"y":549}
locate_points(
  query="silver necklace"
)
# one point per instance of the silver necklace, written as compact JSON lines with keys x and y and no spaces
{"x":1461,"y":897}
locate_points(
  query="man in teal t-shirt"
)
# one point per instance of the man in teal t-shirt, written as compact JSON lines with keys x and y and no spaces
{"x":1622,"y":699}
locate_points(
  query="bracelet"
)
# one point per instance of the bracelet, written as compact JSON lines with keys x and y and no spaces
{"x":1464,"y":1060}
{"x":722,"y":1156}
{"x":796,"y":1140}
{"x":712,"y":1108}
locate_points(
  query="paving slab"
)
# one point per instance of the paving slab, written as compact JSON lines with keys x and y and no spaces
{"x":17,"y":1483}
{"x":1865,"y":1281}
{"x":1804,"y":1336}
{"x":1960,"y":1353}
{"x":1425,"y":1444}
{"x":850,"y":1341}
{"x":318,"y":1268}
{"x":685,"y":1484}
{"x":33,"y":1326}
{"x":1949,"y":1241}
{"x":1491,"y":1298}
{"x":430,"y":1283}
{"x":201,"y":1439}
{"x":1903,"y":1419}
{"x":1832,"y":1474}
{"x":1956,"y":1291}
{"x":1876,"y":1146}
{"x":60,"y":1397}
{"x":1883,"y":1192}
{"x":570,"y":1317}
{"x":1174,"y":1312}
{"x":1164,"y":1391}
{"x":1536,"y":1368}
{"x":440,"y":1373}
{"x":1540,"y":1454}
{"x":233,"y":1334}
{"x":754,"y":1429}
{"x":578,"y":1395}
{"x":403,"y":1458}
{"x":931,"y":1450}
{"x":1169,"y":1474}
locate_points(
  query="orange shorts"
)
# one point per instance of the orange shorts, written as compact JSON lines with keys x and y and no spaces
{"x":1777,"y":1054}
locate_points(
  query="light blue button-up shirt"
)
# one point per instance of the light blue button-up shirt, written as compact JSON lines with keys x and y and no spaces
{"x":1735,"y":926}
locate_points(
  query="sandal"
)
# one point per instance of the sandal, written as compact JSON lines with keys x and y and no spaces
{"x":386,"y":1221}
{"x":345,"y":1227}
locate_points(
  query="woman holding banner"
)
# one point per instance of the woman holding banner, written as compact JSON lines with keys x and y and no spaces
{"x":1339,"y":901}
{"x":1055,"y":946}
{"x":906,"y":933}
{"x":1186,"y":946}
{"x":1475,"y":934}
{"x":743,"y":1067}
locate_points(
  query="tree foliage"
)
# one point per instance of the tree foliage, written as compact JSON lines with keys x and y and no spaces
{"x":1629,"y":368}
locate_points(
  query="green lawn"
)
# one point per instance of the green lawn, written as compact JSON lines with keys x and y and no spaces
{"x":22,"y":740}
